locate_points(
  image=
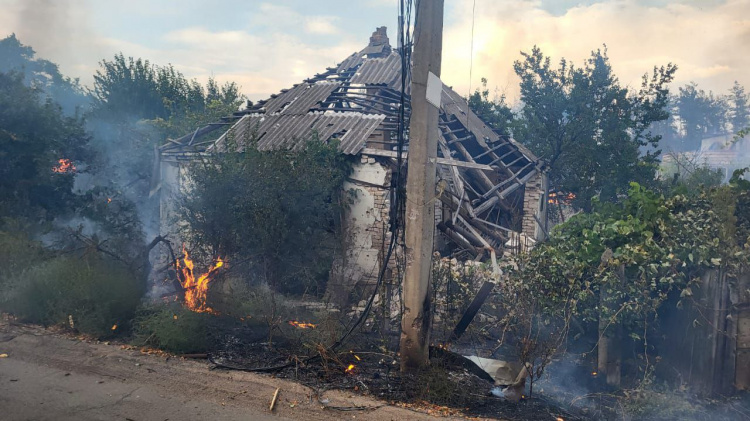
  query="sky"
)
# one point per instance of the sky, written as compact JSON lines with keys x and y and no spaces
{"x":266,"y":46}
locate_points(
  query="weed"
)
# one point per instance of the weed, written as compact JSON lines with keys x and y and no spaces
{"x":173,"y":328}
{"x":89,"y":293}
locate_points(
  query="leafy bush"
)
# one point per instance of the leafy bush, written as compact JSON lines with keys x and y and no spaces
{"x":96,"y":293}
{"x":173,"y":328}
{"x":276,"y":210}
{"x":17,"y":253}
{"x":620,"y":264}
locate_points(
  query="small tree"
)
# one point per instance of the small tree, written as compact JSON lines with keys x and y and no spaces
{"x":739,"y":108}
{"x":588,"y":128}
{"x":276,"y":210}
{"x":701,"y":113}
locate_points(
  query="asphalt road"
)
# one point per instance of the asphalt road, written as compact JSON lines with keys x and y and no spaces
{"x":51,"y":376}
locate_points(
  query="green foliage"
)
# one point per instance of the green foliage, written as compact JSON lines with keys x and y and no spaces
{"x":42,"y":75}
{"x":701,"y":114}
{"x":621,"y":262}
{"x":690,"y":179}
{"x":18,"y":251}
{"x":739,"y":108}
{"x":173,"y":328}
{"x":587,"y":127}
{"x":34,"y":135}
{"x":96,"y":293}
{"x":126,"y":89}
{"x":494,"y":112}
{"x":269,"y":208}
{"x":137,"y":107}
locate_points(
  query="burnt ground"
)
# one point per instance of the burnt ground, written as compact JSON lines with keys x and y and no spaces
{"x":451,"y":386}
{"x":47,"y":375}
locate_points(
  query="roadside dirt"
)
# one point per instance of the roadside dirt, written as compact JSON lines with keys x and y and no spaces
{"x":52,"y":376}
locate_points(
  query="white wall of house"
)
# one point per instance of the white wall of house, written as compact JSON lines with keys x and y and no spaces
{"x":364,"y":225}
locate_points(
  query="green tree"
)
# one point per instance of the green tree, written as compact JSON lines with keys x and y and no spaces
{"x":495,"y":112}
{"x":701,"y":113}
{"x":739,"y":108}
{"x":276,"y":210}
{"x":35,"y":136}
{"x":43,"y":75}
{"x":137,"y":107}
{"x":128,"y":89}
{"x":590,"y":130}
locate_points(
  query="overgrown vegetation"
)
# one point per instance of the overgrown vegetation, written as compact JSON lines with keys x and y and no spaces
{"x":173,"y":328}
{"x":277,"y":211}
{"x":89,"y":293}
{"x":618,"y":266}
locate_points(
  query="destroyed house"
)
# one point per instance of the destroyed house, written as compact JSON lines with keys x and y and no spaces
{"x":491,"y":191}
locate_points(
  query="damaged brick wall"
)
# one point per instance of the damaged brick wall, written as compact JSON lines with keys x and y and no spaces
{"x":365,"y":239}
{"x":535,"y":205}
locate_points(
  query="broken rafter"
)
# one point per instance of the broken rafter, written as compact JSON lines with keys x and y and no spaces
{"x":457,"y":238}
{"x":197,"y":133}
{"x":441,"y":161}
{"x":482,"y":177}
{"x":475,"y":239}
{"x":514,"y":177}
{"x":494,"y":149}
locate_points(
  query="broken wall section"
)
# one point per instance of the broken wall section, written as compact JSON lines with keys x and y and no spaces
{"x":534,"y":224}
{"x":365,"y":232}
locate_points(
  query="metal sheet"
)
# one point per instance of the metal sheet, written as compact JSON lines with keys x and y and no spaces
{"x":274,"y":105}
{"x":310,"y":97}
{"x":239,"y":133}
{"x":380,"y":71}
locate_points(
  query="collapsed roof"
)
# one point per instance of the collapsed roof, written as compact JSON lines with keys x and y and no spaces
{"x":357,"y":102}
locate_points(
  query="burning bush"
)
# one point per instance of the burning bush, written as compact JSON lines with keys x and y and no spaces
{"x":90,"y":294}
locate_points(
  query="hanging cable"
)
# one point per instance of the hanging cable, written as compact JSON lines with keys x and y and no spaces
{"x":471,"y":58}
{"x":397,"y":192}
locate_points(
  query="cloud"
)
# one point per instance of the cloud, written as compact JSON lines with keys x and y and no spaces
{"x":271,"y":46}
{"x":711,"y":45}
{"x":322,"y":25}
{"x":261,"y":64}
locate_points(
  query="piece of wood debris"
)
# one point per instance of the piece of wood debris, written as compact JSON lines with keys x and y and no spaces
{"x":273,"y":400}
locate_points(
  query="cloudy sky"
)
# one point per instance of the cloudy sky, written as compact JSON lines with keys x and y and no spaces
{"x":269,"y":45}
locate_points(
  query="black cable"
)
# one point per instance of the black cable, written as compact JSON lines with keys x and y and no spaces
{"x":396,"y":191}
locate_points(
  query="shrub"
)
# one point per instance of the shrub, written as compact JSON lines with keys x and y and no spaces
{"x":96,"y":293}
{"x":173,"y":328}
{"x":17,"y":253}
{"x":267,"y":208}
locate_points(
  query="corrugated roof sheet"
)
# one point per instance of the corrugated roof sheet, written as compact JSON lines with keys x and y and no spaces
{"x":379,"y":71}
{"x":289,"y":131}
{"x":301,"y":98}
{"x":285,"y":119}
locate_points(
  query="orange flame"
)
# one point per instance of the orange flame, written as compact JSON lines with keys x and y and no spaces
{"x":350,"y":368}
{"x":302,"y":325}
{"x":114,"y":327}
{"x":196,"y":290}
{"x":556,"y":198}
{"x":65,"y":166}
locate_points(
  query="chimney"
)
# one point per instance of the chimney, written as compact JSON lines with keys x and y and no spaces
{"x":379,"y":37}
{"x":379,"y":45}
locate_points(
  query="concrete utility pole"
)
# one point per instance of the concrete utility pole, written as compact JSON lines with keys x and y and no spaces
{"x":420,"y":187}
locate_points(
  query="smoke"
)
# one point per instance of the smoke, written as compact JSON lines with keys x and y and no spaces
{"x":58,"y":30}
{"x":43,"y":21}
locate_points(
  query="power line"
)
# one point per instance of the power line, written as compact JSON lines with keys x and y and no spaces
{"x":471,"y":58}
{"x":397,"y":193}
